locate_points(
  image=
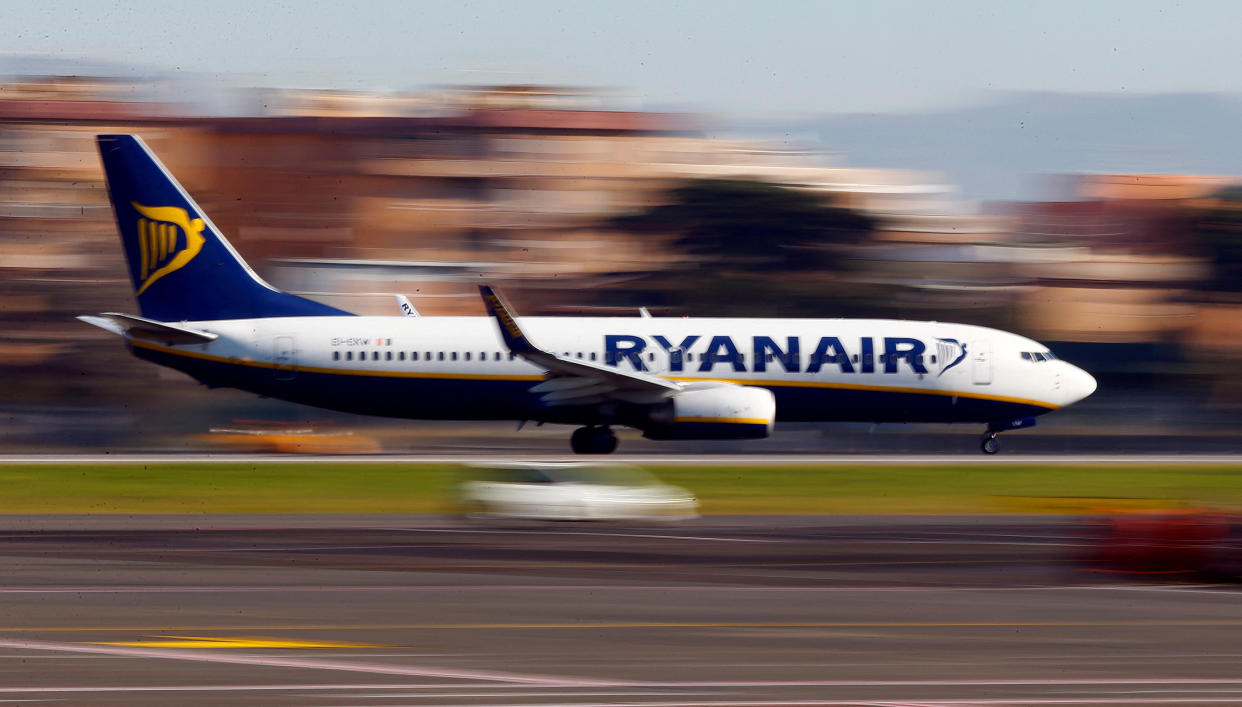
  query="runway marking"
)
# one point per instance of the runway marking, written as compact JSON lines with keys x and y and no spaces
{"x":245,"y":688}
{"x":226,"y":642}
{"x":1013,"y":682}
{"x":1224,"y":592}
{"x":545,"y":588}
{"x":639,"y":693}
{"x":157,"y":630}
{"x":899,"y":702}
{"x":203,"y":656}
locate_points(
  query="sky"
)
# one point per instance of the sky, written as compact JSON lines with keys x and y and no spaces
{"x":747,"y":59}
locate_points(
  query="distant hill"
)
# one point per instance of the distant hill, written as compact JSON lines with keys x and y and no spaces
{"x":999,"y":150}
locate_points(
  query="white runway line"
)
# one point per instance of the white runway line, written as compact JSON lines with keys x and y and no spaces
{"x":1224,"y":592}
{"x":638,"y":691}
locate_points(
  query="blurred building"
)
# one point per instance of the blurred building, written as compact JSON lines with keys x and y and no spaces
{"x":1129,"y":262}
{"x":54,"y":215}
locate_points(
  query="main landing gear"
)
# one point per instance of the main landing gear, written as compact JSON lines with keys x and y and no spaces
{"x":593,"y":440}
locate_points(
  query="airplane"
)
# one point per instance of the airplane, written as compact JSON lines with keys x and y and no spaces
{"x":205,"y":312}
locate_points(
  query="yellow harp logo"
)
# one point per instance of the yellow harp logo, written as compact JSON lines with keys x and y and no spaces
{"x":167,"y":239}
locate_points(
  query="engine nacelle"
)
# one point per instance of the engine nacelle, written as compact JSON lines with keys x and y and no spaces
{"x":713,"y":411}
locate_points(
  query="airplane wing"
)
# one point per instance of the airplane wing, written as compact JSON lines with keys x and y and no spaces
{"x":129,"y":325}
{"x":572,"y":381}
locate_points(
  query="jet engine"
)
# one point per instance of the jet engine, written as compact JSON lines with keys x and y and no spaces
{"x":713,"y":410}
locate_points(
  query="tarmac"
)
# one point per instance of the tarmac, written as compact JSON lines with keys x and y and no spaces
{"x":766,"y":610}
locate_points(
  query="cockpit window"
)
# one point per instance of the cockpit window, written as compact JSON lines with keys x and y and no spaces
{"x":1038,"y":356}
{"x":1026,"y":356}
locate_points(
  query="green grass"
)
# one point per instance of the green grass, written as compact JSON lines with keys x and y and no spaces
{"x":422,"y":488}
{"x":957,"y":489}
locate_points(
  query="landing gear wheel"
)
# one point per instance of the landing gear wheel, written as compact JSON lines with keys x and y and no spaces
{"x":593,"y":440}
{"x":989,"y":444}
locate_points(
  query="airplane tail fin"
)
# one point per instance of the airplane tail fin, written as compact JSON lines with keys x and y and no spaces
{"x":181,"y":266}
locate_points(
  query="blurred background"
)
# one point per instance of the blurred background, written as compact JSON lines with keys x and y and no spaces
{"x":893,"y":172}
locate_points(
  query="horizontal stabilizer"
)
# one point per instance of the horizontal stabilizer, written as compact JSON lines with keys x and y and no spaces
{"x":131,"y":326}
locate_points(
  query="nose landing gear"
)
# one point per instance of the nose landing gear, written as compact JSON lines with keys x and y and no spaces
{"x":593,"y":440}
{"x":989,"y":444}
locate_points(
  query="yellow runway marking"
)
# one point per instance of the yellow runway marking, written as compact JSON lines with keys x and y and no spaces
{"x":224,"y":642}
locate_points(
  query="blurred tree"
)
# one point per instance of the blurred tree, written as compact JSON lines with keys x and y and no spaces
{"x":753,"y":224}
{"x":1218,"y":229}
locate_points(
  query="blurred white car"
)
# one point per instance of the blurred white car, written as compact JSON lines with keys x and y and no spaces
{"x":570,"y":491}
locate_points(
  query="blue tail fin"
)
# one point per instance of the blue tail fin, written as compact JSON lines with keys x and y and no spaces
{"x":181,"y":267}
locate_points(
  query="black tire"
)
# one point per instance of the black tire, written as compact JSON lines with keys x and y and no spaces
{"x":580,"y":441}
{"x":605,"y":442}
{"x":593,"y":440}
{"x":989,"y":444}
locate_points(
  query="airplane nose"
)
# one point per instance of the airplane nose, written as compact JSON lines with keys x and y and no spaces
{"x":1077,"y":384}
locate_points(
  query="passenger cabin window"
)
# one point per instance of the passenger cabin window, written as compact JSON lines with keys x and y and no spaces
{"x":467,"y":355}
{"x":592,"y":355}
{"x":388,"y":356}
{"x":440,"y":356}
{"x":349,"y":355}
{"x":336,"y":355}
{"x":413,"y":355}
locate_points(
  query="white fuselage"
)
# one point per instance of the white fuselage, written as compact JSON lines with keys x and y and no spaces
{"x":819,"y":369}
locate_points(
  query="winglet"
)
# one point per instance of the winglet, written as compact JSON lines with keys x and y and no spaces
{"x":407,"y":309}
{"x":509,"y":329}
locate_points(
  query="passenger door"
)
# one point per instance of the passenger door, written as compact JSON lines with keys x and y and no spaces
{"x":285,"y":356}
{"x":981,"y":362}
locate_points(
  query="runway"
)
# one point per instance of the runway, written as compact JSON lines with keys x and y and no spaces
{"x":384,"y":610}
{"x":686,"y":459}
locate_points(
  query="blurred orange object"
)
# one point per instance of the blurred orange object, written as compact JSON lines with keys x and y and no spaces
{"x":282,"y":438}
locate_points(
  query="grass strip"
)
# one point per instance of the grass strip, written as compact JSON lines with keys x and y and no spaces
{"x":289,"y":487}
